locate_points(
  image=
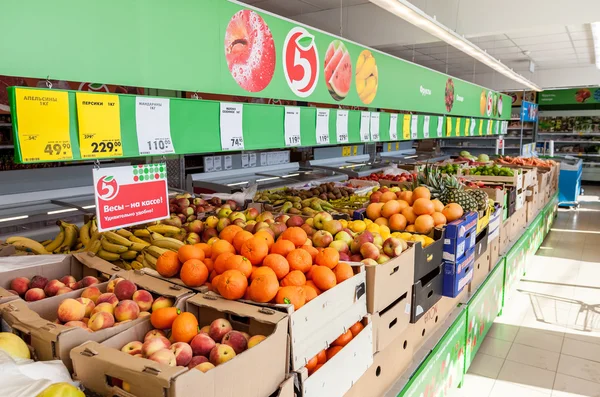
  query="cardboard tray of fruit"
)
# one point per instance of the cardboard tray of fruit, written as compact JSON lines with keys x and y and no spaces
{"x":495,"y":174}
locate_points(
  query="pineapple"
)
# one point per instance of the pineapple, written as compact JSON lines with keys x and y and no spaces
{"x":481,"y":197}
{"x":446,"y":188}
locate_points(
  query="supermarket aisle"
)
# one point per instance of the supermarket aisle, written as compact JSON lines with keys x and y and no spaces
{"x":547,"y":342}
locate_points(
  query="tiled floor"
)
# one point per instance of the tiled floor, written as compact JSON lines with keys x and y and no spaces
{"x":547,"y":341}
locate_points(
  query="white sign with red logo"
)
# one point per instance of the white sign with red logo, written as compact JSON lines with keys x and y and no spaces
{"x":300,"y":62}
{"x":130,"y":195}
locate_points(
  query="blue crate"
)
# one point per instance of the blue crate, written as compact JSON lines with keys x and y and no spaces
{"x":460,"y":237}
{"x":458,"y":274}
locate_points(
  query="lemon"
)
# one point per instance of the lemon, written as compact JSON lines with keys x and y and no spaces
{"x":397,"y":235}
{"x":373,"y":228}
{"x":13,"y":345}
{"x":358,"y":226}
{"x":420,"y":238}
{"x":384,"y":231}
{"x":344,"y":223}
{"x":406,"y":236}
{"x":368,"y":221}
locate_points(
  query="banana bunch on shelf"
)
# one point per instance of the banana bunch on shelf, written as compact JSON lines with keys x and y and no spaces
{"x":156,"y":236}
{"x":70,"y":238}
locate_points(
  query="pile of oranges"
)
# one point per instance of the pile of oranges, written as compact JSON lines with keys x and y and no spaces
{"x":325,"y":355}
{"x":412,"y":211}
{"x":242,"y":265}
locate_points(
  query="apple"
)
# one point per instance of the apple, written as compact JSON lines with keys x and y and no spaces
{"x":320,"y":218}
{"x":343,"y":236}
{"x":308,"y":229}
{"x":278,"y":228}
{"x":393,"y":247}
{"x":383,"y":258}
{"x":218,"y":329}
{"x":211,"y":222}
{"x":263,"y":216}
{"x":205,"y":329}
{"x":358,"y":241}
{"x":260,"y":225}
{"x":369,"y":250}
{"x":202,"y":344}
{"x":237,"y":215}
{"x":283,"y":218}
{"x":370,"y":262}
{"x":377,"y":240}
{"x":222,"y":224}
{"x":344,"y":256}
{"x":236,"y":340}
{"x":133,"y":348}
{"x":322,"y":239}
{"x":224,"y":213}
{"x":209,"y":233}
{"x":340,"y":246}
{"x":220,"y":354}
{"x":251,"y":214}
{"x":295,"y":221}
{"x":196,"y":226}
{"x":239,"y":223}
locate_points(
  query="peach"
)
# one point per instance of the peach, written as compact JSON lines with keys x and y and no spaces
{"x":197,"y":360}
{"x":133,"y":348}
{"x":218,"y":329}
{"x":236,"y":340}
{"x":79,"y":324}
{"x":155,"y":344}
{"x":89,"y":305}
{"x":246,"y":335}
{"x":34,"y":294}
{"x":204,"y":367}
{"x":369,"y":250}
{"x":74,"y":286}
{"x":52,"y":287}
{"x":66,"y":280}
{"x":126,"y":310}
{"x":182,"y":352}
{"x":143,"y":299}
{"x":38,"y":282}
{"x":205,"y":329}
{"x":164,"y":356}
{"x":124,"y":290}
{"x":161,"y":302}
{"x":154,"y":333}
{"x":221,"y":354}
{"x":101,"y":320}
{"x":104,"y":307}
{"x":63,"y":290}
{"x":70,"y":310}
{"x":255,"y":340}
{"x":20,"y":285}
{"x":202,"y":344}
{"x":85,"y":320}
{"x":108,"y":297}
{"x":113,"y":283}
{"x":144,"y":314}
{"x":91,"y":293}
{"x":88,"y":281}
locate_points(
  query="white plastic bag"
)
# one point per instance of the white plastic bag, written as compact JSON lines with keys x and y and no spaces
{"x":239,"y":197}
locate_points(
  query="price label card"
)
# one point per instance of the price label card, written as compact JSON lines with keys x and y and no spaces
{"x":292,"y":126}
{"x":365,"y":126}
{"x":440,"y":126}
{"x":346,"y":150}
{"x":217,"y":163}
{"x":322,"y":126}
{"x":480,"y":127}
{"x":341,"y":126}
{"x":426,"y":121}
{"x":228,"y":162}
{"x":457,"y":129}
{"x":43,"y":131}
{"x":245,"y":161}
{"x":153,"y":125}
{"x":355,"y":150}
{"x":232,"y":133}
{"x":99,"y":122}
{"x":497,"y":123}
{"x":208,"y":164}
{"x":473,"y":125}
{"x":394,"y":126}
{"x":252,"y":159}
{"x":375,"y":126}
{"x":406,"y":127}
{"x":488,"y":128}
{"x":263,"y":159}
{"x":467,"y":125}
{"x":449,"y":126}
{"x":414,"y":126}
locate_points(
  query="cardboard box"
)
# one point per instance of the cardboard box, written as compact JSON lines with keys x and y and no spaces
{"x":458,"y":274}
{"x":256,"y":372}
{"x":520,"y":200}
{"x":530,"y":211}
{"x":34,"y":321}
{"x":429,"y":258}
{"x":343,"y":370}
{"x":493,"y":249}
{"x":495,"y":224}
{"x":515,"y":180}
{"x":516,"y":228}
{"x":504,"y":237}
{"x":481,"y":243}
{"x":460,"y":237}
{"x":426,"y":292}
{"x":531,"y":193}
{"x":481,"y":269}
{"x":495,"y":194}
{"x":391,"y":322}
{"x":483,"y":219}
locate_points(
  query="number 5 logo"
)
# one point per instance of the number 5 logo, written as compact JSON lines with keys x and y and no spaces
{"x":300,"y":62}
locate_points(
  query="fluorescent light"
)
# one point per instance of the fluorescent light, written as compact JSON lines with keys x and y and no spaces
{"x":14,"y":218}
{"x":267,"y":179}
{"x":596,"y":36}
{"x":236,"y":184}
{"x":87,"y":207}
{"x":290,"y":175}
{"x":414,"y":15}
{"x":70,"y":210}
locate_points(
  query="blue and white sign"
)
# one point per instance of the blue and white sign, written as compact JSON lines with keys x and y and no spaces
{"x":529,"y":111}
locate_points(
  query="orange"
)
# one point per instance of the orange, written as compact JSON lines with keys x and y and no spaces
{"x":255,"y":249}
{"x":310,"y":283}
{"x":186,"y":252}
{"x":299,"y":259}
{"x":206,"y":248}
{"x":283,"y":247}
{"x":424,"y":224}
{"x":268,"y":237}
{"x":229,"y":232}
{"x":184,"y":328}
{"x":343,"y":339}
{"x":295,"y":277}
{"x":193,"y":273}
{"x":232,"y":284}
{"x":291,"y":295}
{"x":390,"y":208}
{"x":312,"y":364}
{"x":240,"y":263}
{"x":407,"y":196}
{"x":264,"y":287}
{"x":259,"y":271}
{"x":438,"y":218}
{"x":374,"y":210}
{"x":343,"y":272}
{"x":452,"y":212}
{"x":324,"y":278}
{"x":219,"y":247}
{"x":311,"y":250}
{"x":397,"y":222}
{"x":163,"y":318}
{"x":332,"y":351}
{"x":421,"y":192}
{"x":309,"y":272}
{"x":328,"y":257}
{"x":403,"y":204}
{"x":318,"y":367}
{"x":322,"y":357}
{"x":410,"y":229}
{"x":220,"y":263}
{"x":381,"y":221}
{"x":209,"y":264}
{"x":437,"y":205}
{"x":240,"y":238}
{"x":168,"y":265}
{"x":296,"y":235}
{"x":310,"y":292}
{"x":423,"y":206}
{"x":278,"y":263}
{"x":387,"y":196}
{"x":356,"y":328}
{"x":409,"y":214}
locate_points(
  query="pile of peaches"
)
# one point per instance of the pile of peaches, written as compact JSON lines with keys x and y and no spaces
{"x":40,"y":288}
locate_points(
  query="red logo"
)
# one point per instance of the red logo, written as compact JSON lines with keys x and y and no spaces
{"x":107,"y":188}
{"x":301,"y":62}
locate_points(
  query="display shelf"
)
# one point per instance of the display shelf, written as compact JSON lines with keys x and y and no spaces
{"x":5,"y":125}
{"x":7,"y":146}
{"x":476,"y":147}
{"x":577,"y":154}
{"x":570,"y":133}
{"x":567,"y":141}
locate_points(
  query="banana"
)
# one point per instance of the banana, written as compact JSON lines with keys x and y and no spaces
{"x":140,"y":257}
{"x":367,"y":68}
{"x":46,"y":242}
{"x":370,"y":98}
{"x":94,"y":246}
{"x":70,"y":237}
{"x":93,"y":227}
{"x":141,"y":233}
{"x":135,"y":239}
{"x":168,"y":243}
{"x":108,"y":256}
{"x":360,"y":61}
{"x":111,"y":247}
{"x":155,"y":251}
{"x":124,"y":232}
{"x":58,"y":240}
{"x":84,"y":233}
{"x":370,"y":86}
{"x":163,"y":229}
{"x":78,"y":246}
{"x":138,"y":246}
{"x":117,"y":239}
{"x":129,"y":255}
{"x":137,"y":265}
{"x":27,"y":244}
{"x":150,"y":260}
{"x":360,"y":86}
{"x":155,"y":236}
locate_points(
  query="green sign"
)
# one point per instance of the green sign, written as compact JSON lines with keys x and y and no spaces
{"x":223,"y":47}
{"x":571,"y":96}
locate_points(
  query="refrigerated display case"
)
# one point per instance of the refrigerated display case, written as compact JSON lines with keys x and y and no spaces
{"x":353,"y":166}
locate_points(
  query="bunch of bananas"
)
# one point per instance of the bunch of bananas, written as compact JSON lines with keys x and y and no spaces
{"x":158,"y":242}
{"x":69,"y":239}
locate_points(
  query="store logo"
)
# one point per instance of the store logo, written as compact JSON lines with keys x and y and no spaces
{"x":300,"y":62}
{"x":107,"y":188}
{"x":490,"y":103}
{"x":424,"y":91}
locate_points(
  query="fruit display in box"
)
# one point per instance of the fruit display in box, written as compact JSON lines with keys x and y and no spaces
{"x":491,"y":170}
{"x":403,"y":177}
{"x":39,"y":287}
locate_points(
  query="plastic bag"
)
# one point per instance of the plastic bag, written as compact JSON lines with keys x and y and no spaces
{"x":239,"y":197}
{"x":394,"y":170}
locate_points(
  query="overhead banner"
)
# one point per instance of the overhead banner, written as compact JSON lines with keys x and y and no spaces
{"x":225,"y":47}
{"x":572,"y":96}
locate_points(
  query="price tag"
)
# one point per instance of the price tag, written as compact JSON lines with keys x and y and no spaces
{"x":473,"y":125}
{"x":228,"y":162}
{"x":341,"y":126}
{"x":449,"y":126}
{"x":322,"y":126}
{"x":232,"y":133}
{"x":457,"y":129}
{"x":153,"y":125}
{"x":346,"y":151}
{"x":414,"y":126}
{"x":292,"y":126}
{"x":397,"y":146}
{"x":426,"y":120}
{"x":43,"y":125}
{"x":497,"y":124}
{"x":394,"y":126}
{"x":406,"y":127}
{"x":355,"y":150}
{"x":440,"y":126}
{"x":480,"y":127}
{"x":252,"y":159}
{"x":375,"y":126}
{"x":488,"y":128}
{"x":263,"y":159}
{"x":217,"y":163}
{"x":245,"y":161}
{"x":365,"y":125}
{"x":208,"y":164}
{"x":99,"y":122}
{"x":467,"y":125}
